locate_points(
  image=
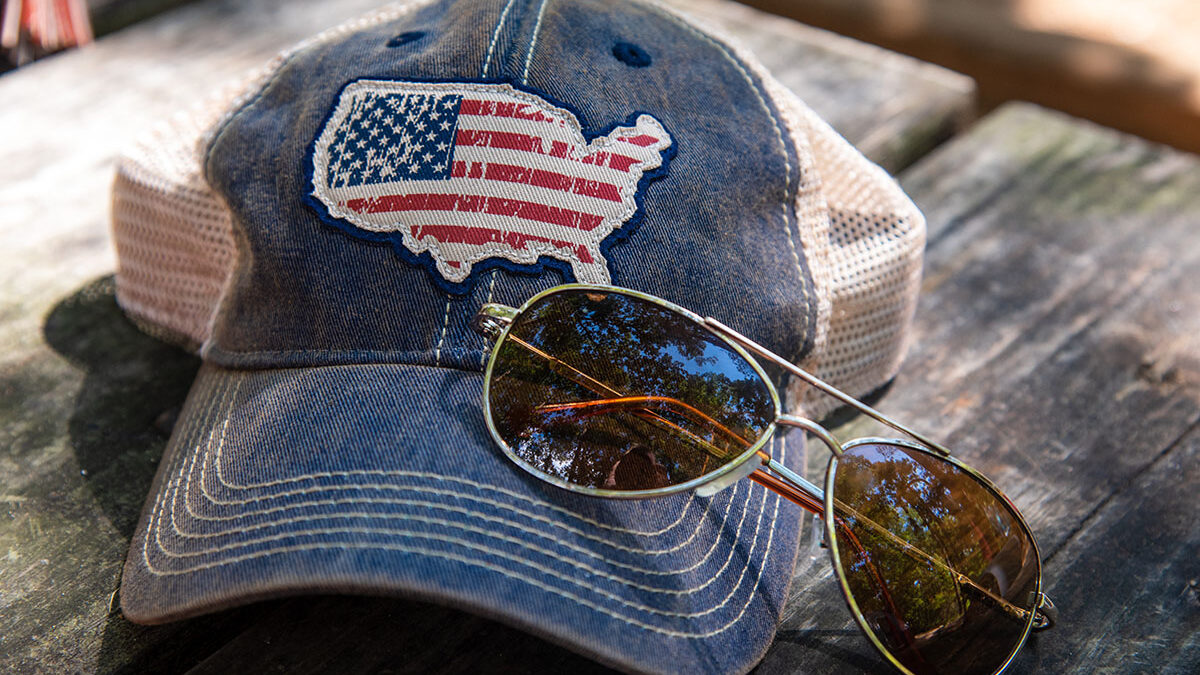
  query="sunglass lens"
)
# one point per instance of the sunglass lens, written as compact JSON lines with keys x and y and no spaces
{"x":605,"y":390}
{"x":940,"y":567}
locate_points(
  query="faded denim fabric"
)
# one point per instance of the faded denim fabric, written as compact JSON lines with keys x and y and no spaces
{"x":334,"y":440}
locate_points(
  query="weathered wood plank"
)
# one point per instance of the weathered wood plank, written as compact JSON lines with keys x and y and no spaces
{"x":892,"y":108}
{"x":85,"y":400}
{"x":1057,"y":349}
{"x":1134,"y":586}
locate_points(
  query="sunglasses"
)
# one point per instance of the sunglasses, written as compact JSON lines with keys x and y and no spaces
{"x":614,"y":393}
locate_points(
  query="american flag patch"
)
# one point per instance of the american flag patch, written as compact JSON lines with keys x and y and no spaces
{"x":467,"y":172}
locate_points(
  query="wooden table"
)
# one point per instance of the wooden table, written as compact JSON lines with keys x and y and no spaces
{"x":1056,"y":349}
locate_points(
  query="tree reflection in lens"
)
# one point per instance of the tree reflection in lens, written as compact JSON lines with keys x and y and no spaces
{"x":588,"y":381}
{"x":939,"y":566}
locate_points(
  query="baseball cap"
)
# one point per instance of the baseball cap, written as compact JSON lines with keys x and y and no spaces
{"x":323,"y":234}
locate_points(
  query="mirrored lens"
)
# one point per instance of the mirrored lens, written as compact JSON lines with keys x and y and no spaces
{"x":610,"y":391}
{"x":940,"y":567}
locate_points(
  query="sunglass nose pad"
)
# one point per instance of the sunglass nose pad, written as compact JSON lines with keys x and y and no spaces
{"x":716,"y":485}
{"x":492,"y":319}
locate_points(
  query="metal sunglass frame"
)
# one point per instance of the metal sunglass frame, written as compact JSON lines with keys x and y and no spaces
{"x":496,"y":320}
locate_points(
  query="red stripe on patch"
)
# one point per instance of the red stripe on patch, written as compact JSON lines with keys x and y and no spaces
{"x":551,"y":180}
{"x":641,"y":141}
{"x":503,"y":140}
{"x":507,"y":140}
{"x":496,"y":206}
{"x":478,"y":236}
{"x":514,"y":110}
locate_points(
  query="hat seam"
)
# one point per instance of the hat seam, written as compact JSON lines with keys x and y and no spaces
{"x":537,"y":27}
{"x":815,"y":241}
{"x":788,"y":211}
{"x":437,"y":357}
{"x":549,"y":572}
{"x":487,"y":61}
{"x":692,"y":497}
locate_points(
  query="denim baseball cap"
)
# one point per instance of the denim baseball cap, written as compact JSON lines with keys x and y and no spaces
{"x":323,"y":235}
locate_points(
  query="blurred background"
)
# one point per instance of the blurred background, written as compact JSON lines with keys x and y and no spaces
{"x":1129,"y":64}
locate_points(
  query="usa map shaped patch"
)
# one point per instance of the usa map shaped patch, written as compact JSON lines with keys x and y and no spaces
{"x":469,"y":172}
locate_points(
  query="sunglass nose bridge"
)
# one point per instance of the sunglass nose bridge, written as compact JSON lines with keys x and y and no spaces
{"x":492,"y":319}
{"x":815,"y":429}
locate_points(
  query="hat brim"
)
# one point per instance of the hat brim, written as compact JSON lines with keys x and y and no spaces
{"x":383,"y":480}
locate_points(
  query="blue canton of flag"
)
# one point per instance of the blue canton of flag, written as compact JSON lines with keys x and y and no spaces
{"x":393,"y":137}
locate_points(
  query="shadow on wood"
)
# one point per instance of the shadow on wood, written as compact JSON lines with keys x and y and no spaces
{"x":134,"y":387}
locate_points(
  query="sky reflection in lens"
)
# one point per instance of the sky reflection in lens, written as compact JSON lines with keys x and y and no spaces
{"x":606,"y":390}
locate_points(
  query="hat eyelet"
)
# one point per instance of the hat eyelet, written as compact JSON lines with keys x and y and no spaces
{"x":631,"y":54}
{"x":405,"y":38}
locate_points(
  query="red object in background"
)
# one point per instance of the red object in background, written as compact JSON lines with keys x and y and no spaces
{"x":34,"y":28}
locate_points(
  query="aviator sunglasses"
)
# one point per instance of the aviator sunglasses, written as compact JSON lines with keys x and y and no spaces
{"x":614,"y":393}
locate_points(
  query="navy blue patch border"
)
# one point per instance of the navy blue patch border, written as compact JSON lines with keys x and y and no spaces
{"x":544,"y":263}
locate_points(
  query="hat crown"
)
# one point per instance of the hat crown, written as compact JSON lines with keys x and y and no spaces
{"x":708,"y":218}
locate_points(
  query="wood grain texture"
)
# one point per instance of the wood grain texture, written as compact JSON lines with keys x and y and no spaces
{"x":86,"y":401}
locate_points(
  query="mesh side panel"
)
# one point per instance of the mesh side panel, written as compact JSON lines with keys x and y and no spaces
{"x":173,"y":233}
{"x":877,"y":239}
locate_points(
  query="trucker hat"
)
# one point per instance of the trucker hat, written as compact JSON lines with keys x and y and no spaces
{"x":323,"y":234}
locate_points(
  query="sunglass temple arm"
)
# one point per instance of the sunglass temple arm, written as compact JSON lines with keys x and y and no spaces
{"x":821,"y":384}
{"x":492,"y":318}
{"x":793,"y":487}
{"x":796,"y":489}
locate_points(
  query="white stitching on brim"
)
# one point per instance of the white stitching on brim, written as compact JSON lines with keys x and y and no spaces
{"x":215,"y":458}
{"x":155,"y":525}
